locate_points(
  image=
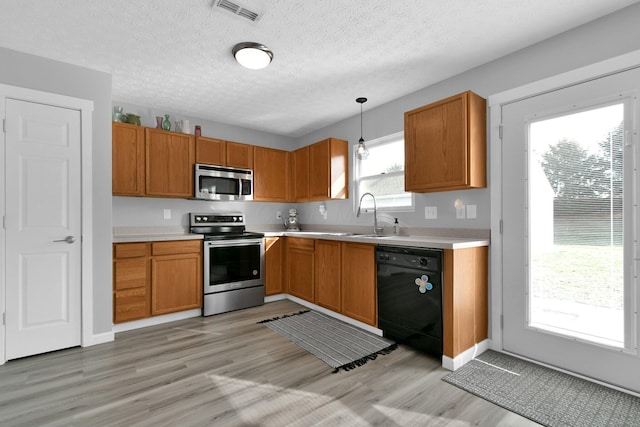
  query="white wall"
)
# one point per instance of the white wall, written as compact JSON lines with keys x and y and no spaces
{"x":28,"y":71}
{"x":604,"y":38}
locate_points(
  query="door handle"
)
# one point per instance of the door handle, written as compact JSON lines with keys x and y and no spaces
{"x":68,"y":239}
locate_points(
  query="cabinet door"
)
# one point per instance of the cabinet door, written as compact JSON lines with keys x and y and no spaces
{"x":328,"y":274}
{"x":239,"y":155}
{"x":169,"y":163}
{"x":445,"y":145}
{"x":211,"y":151}
{"x":300,"y":174}
{"x":328,"y":170}
{"x":273,"y":261}
{"x":300,"y":268}
{"x":270,"y":175}
{"x":127,"y":159}
{"x":176,"y":283}
{"x":359,"y":282}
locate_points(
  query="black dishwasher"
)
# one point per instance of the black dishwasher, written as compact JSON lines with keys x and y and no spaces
{"x":410,"y":296}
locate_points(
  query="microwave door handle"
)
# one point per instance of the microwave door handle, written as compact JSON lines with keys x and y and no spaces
{"x":240,"y":187}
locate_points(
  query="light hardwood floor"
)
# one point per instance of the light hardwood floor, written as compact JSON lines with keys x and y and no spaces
{"x":227,"y":370}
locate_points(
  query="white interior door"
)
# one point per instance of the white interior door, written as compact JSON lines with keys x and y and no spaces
{"x":570,"y":223}
{"x":43,"y":228}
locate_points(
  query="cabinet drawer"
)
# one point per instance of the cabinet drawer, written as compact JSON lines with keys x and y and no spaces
{"x":131,"y":250}
{"x":130,"y":304}
{"x":301,"y":243}
{"x":130,"y":273}
{"x":176,"y":247}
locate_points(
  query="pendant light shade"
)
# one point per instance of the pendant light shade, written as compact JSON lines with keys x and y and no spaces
{"x":254,"y":56}
{"x":361,"y":151}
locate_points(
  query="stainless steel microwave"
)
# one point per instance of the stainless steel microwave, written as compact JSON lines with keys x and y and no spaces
{"x":223,"y":183}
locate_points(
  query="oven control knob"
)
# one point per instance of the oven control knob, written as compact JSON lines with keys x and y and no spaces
{"x":423,"y":262}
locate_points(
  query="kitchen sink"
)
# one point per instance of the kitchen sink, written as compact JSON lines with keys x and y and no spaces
{"x":330,"y":233}
{"x":325,"y":233}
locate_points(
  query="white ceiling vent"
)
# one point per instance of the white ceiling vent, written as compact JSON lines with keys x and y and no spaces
{"x":236,"y":9}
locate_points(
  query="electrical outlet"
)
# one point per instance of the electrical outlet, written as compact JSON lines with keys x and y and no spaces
{"x":278,"y":215}
{"x":431,"y":212}
{"x":167,"y":214}
{"x":460,"y":213}
{"x":471,"y":211}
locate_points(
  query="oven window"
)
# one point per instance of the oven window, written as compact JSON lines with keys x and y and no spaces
{"x":234,"y":264}
{"x":219,"y":185}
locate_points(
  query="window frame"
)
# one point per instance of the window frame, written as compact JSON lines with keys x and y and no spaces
{"x":387,"y":139}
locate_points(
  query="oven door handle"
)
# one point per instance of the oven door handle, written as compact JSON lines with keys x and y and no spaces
{"x":237,"y":242}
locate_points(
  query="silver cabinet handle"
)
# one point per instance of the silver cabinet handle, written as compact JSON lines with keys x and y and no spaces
{"x":68,"y":239}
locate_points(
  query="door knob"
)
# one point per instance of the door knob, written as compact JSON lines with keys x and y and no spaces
{"x":68,"y":239}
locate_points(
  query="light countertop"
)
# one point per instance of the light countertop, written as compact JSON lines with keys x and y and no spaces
{"x":436,"y":242}
{"x":153,"y":234}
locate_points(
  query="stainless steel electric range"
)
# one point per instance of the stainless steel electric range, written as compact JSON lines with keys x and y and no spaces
{"x":233,"y":262}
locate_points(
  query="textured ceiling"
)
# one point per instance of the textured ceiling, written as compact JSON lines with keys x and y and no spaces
{"x":176,"y":55}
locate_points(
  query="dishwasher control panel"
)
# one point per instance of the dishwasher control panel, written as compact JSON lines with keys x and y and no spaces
{"x":417,"y":258}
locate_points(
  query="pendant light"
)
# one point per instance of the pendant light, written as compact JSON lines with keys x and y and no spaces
{"x":361,"y":151}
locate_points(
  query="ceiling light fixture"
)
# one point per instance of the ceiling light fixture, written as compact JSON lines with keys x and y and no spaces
{"x":361,"y":151}
{"x":254,"y":56}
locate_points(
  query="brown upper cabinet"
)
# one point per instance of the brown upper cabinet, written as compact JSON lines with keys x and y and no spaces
{"x":212,"y":151}
{"x":169,"y":163}
{"x":300,"y":174}
{"x":329,"y":170}
{"x":271,"y":175}
{"x":239,"y":155}
{"x":154,"y":162}
{"x":320,"y":171}
{"x":445,"y":145}
{"x":128,"y":160}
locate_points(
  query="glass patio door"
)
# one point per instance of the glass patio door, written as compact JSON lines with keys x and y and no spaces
{"x":569,"y":226}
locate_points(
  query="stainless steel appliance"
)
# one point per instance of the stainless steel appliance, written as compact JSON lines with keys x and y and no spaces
{"x":223,"y":183}
{"x":292,"y":223}
{"x":410,"y":296}
{"x":233,"y":262}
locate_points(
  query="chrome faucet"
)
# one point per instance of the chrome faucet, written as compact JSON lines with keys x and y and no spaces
{"x":376,"y":229}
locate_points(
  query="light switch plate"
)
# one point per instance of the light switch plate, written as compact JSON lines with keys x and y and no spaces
{"x":167,"y":214}
{"x":278,"y":215}
{"x":430,"y":212}
{"x":471,"y":211}
{"x":460,"y":214}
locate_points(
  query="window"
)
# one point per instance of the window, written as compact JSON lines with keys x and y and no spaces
{"x":382,"y":174}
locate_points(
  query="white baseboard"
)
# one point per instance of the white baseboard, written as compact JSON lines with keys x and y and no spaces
{"x":99,"y":339}
{"x":466,"y":356}
{"x":156,"y":320}
{"x":272,"y":298}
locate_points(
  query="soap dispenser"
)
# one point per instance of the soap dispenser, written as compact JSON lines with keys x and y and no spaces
{"x":396,"y":227}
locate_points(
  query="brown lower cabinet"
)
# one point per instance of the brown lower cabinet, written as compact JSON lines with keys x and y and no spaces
{"x":274,"y":264}
{"x":131,"y":281}
{"x":465,"y":298}
{"x":359,"y":291}
{"x":328,"y":274}
{"x":153,"y":278}
{"x":300,"y":267}
{"x":340,"y":276}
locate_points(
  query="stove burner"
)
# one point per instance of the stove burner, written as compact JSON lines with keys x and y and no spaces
{"x":221,"y":226}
